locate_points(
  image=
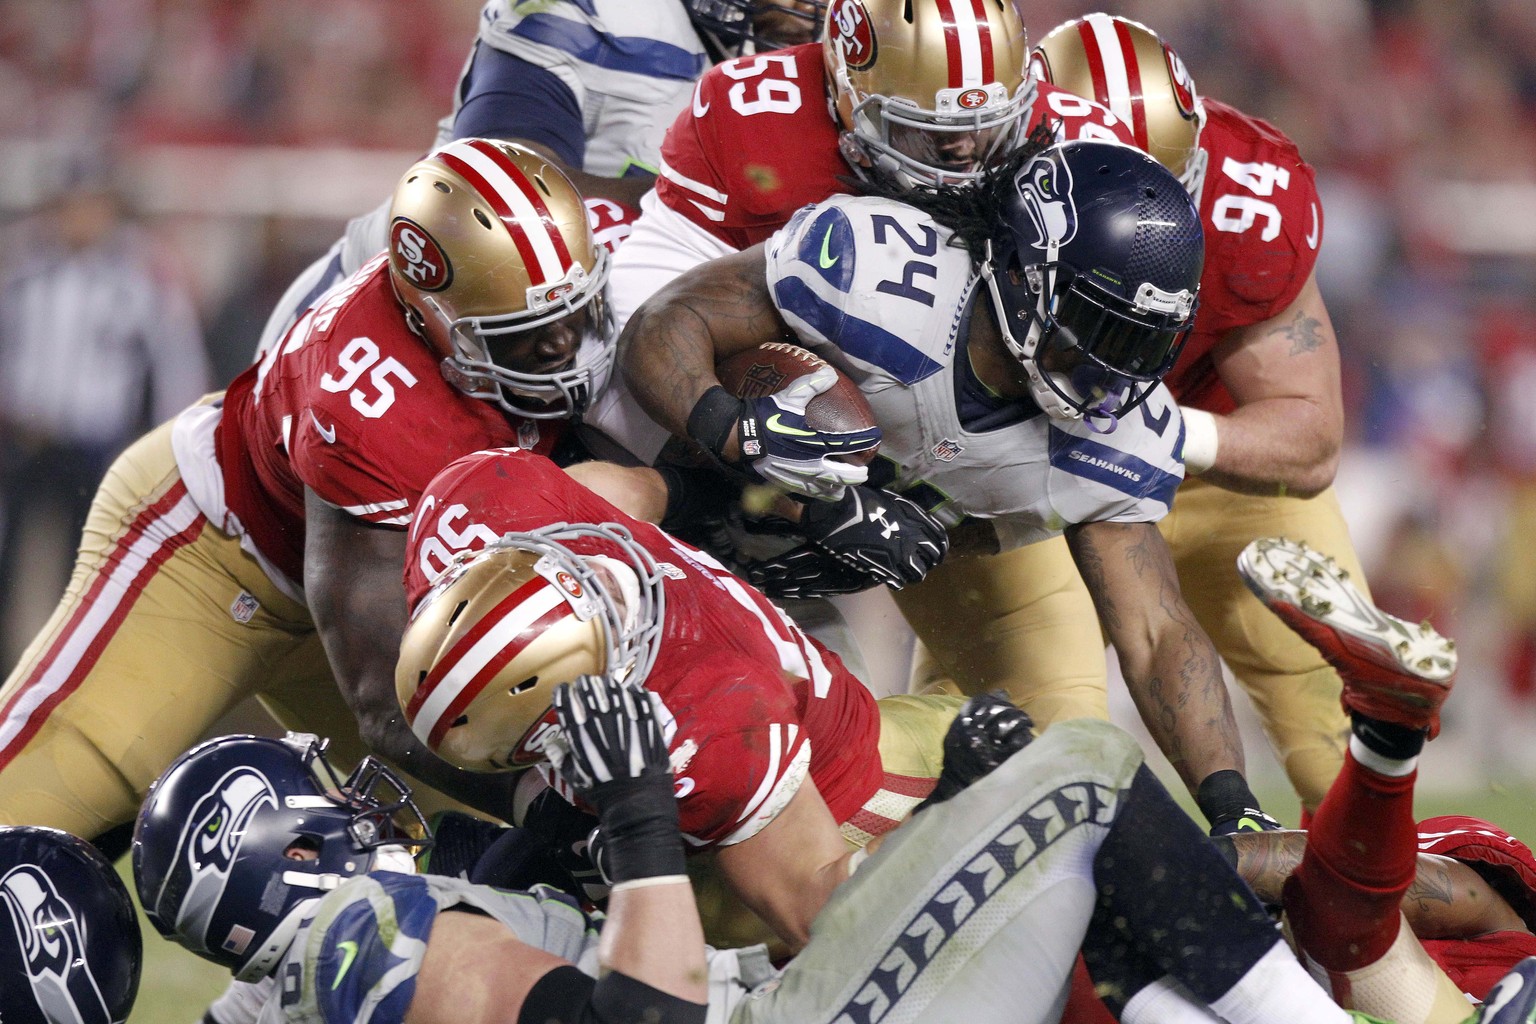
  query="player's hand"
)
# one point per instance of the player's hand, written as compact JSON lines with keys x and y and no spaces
{"x":615,"y":756}
{"x":867,"y":538}
{"x":779,"y":447}
{"x":1250,"y":820}
{"x":611,"y":733}
{"x":988,"y":731}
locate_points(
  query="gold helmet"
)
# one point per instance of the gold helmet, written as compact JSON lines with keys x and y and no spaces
{"x":926,"y":91}
{"x":490,"y":246}
{"x":505,"y":625}
{"x":1124,"y":66}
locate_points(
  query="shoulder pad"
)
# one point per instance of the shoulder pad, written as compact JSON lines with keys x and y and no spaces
{"x":875,"y":279}
{"x":363,"y":935}
{"x":1128,"y":474}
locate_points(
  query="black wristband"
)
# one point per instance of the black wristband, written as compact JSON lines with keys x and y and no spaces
{"x":713,"y":418}
{"x":694,"y":496}
{"x":639,"y":822}
{"x":1223,"y":795}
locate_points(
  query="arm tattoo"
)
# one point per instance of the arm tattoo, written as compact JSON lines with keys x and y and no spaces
{"x":1266,"y":860}
{"x":1432,"y":884}
{"x":1305,"y":333}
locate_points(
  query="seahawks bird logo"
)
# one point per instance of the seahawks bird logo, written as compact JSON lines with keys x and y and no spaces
{"x":1045,"y":187}
{"x":208,"y":846}
{"x":51,"y":940}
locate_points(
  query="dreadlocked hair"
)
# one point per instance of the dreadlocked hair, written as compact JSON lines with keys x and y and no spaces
{"x":972,"y":212}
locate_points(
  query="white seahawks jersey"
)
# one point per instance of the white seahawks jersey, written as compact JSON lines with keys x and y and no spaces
{"x":631,"y":65}
{"x":872,"y":286}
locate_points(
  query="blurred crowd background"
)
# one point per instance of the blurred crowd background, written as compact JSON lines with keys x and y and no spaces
{"x":167,"y":166}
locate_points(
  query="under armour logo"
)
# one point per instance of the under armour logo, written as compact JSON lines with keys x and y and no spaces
{"x":887,"y":527}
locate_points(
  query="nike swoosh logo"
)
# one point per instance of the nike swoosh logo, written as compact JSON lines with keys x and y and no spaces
{"x":329,"y":435}
{"x":698,"y":111}
{"x":826,"y":240}
{"x":1316,"y":232}
{"x":350,"y":951}
{"x":781,"y":428}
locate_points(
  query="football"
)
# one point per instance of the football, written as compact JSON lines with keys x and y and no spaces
{"x":768,"y":368}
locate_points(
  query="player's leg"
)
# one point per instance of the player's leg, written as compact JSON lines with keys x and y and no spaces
{"x":165,"y":625}
{"x":1342,"y":901}
{"x":1295,"y":692}
{"x":1021,"y":622}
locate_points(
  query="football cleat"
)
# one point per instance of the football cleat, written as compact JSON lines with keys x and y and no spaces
{"x":1393,"y":671}
{"x":1512,"y":1000}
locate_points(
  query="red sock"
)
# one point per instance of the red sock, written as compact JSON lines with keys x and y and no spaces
{"x":1362,"y":852}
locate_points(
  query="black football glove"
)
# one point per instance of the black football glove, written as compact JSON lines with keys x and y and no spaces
{"x":615,"y":755}
{"x":867,"y":538}
{"x":987,"y":731}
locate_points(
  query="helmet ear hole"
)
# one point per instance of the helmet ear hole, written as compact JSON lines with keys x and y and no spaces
{"x":526,"y":684}
{"x":538,"y":179}
{"x":441,"y":186}
{"x":480,"y":216}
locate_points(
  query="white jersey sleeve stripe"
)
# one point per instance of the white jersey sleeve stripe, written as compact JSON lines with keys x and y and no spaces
{"x":683,"y":181}
{"x":774,"y":795}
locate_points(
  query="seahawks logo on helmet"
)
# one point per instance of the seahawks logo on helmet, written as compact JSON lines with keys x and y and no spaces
{"x":1045,"y":186}
{"x":206,"y":852}
{"x":52,"y":942}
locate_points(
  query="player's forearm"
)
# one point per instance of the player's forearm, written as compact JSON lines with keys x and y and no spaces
{"x":1183,"y":700}
{"x":1266,"y":859}
{"x":1285,"y":446}
{"x":667,"y":358}
{"x":653,"y":935}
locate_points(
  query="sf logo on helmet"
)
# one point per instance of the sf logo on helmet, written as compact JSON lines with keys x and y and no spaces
{"x":49,"y":938}
{"x":418,"y":258}
{"x":1183,"y":84}
{"x":854,"y":35}
{"x":1045,"y":186}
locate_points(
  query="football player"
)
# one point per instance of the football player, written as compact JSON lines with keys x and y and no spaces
{"x":780,"y":752}
{"x":590,"y":85}
{"x":1363,"y":853}
{"x":1260,"y":374}
{"x":1014,"y":373}
{"x":918,"y":91}
{"x":220,"y":541}
{"x":249,"y":857}
{"x":70,"y":949}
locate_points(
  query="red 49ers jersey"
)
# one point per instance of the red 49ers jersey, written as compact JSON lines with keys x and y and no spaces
{"x":1263,"y":223}
{"x":757,"y":703}
{"x":351,"y":405}
{"x":758,"y":143}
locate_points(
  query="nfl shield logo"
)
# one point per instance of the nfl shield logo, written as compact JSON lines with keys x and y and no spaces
{"x":244,"y":608}
{"x":946,"y":450}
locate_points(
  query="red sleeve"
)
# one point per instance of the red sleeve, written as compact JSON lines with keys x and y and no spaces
{"x":369,"y":418}
{"x":739,"y":753}
{"x":478,"y":498}
{"x":1263,"y":221}
{"x":755,"y":145}
{"x":1076,"y":117}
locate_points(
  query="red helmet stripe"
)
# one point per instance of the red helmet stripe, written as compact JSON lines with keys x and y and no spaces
{"x":1133,"y":83}
{"x":967,"y":42}
{"x":481,"y":679}
{"x":1111,"y":55}
{"x":471,"y":637}
{"x":532,"y":194}
{"x":516,"y":203}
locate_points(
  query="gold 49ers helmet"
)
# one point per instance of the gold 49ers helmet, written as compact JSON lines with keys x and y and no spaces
{"x":1125,"y":66}
{"x":926,"y":91}
{"x":489,"y":245}
{"x":505,"y":625}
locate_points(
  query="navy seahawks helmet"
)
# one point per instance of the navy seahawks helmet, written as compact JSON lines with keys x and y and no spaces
{"x":70,"y":950}
{"x":733,"y":24}
{"x":1095,"y":275}
{"x":244,"y":833}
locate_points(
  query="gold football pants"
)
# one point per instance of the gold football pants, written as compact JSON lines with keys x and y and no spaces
{"x":166,"y":625}
{"x":1023,"y":621}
